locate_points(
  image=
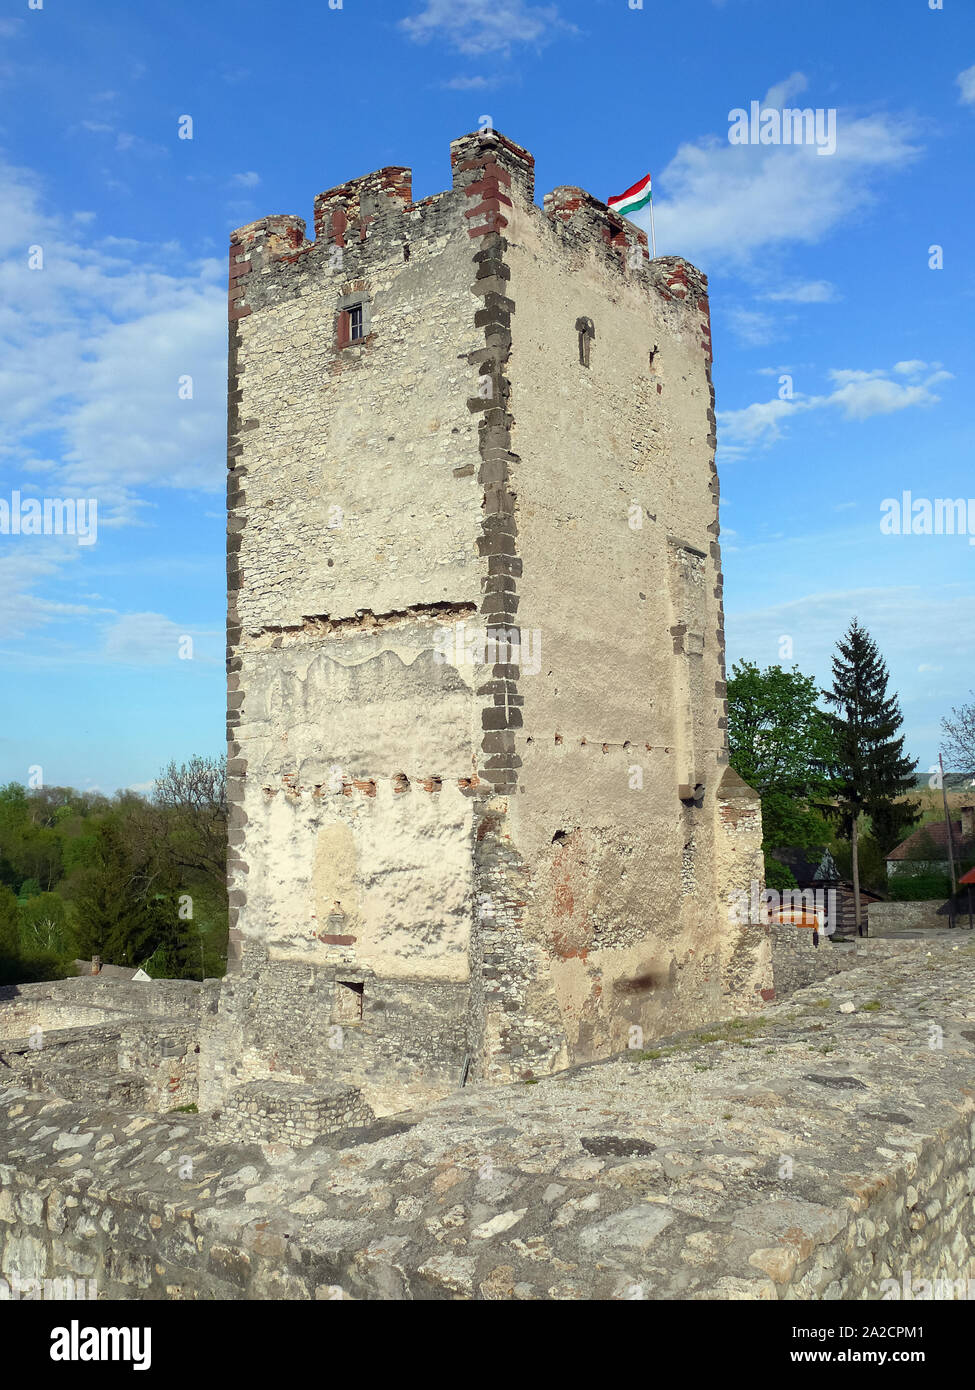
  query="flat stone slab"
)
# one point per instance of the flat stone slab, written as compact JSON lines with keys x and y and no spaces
{"x":813,"y":1152}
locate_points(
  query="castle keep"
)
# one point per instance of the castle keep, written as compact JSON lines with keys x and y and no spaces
{"x":482,"y":821}
{"x":483,"y":828}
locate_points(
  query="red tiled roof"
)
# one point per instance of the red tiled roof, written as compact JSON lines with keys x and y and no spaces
{"x":107,"y":972}
{"x":935,"y":833}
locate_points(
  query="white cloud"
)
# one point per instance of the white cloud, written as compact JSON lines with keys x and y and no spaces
{"x":754,"y":328}
{"x":966,"y":82}
{"x":783,"y":92}
{"x":809,"y":292}
{"x":152,"y":639}
{"x":93,"y":346}
{"x":467,"y":84}
{"x":859,"y":399}
{"x":857,"y":395}
{"x":723,"y":202}
{"x":248,"y":180}
{"x":143,"y":639}
{"x":911,"y":624}
{"x":759,"y":423}
{"x":25,"y":563}
{"x":471,"y":26}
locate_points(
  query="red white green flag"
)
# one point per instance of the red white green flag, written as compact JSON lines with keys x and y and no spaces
{"x":632,"y":200}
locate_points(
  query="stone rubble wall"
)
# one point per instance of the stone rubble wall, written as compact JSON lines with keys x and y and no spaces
{"x":149,"y":1064}
{"x":822,"y":1149}
{"x":909,"y":916}
{"x":797,"y":962}
{"x":281,"y":1019}
{"x":295,"y":1115}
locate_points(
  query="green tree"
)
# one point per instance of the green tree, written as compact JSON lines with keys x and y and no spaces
{"x":124,"y":912}
{"x":13,"y":806}
{"x":44,"y":925}
{"x":118,"y":868}
{"x":13,"y":821}
{"x":11,"y":963}
{"x":871,"y":769}
{"x":959,"y":738}
{"x":780,"y":744}
{"x":192,"y":799}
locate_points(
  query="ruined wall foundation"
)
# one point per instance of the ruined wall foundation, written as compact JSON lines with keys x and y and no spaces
{"x":824,"y":1148}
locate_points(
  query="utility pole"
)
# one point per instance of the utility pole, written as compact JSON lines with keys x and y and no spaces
{"x":950,"y":840}
{"x":855,"y":856}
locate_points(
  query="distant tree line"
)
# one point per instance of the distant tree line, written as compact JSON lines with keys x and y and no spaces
{"x":830,"y":768}
{"x":138,"y":880}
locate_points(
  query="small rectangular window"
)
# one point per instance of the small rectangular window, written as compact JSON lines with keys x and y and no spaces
{"x":355,"y":322}
{"x":347,"y":1006}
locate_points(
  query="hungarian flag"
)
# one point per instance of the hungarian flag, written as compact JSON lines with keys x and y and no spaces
{"x":632,"y":200}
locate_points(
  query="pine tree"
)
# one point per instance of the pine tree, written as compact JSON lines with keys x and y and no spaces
{"x":871,"y":769}
{"x":121,"y":915}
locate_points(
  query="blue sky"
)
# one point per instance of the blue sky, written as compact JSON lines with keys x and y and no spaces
{"x":819,"y":270}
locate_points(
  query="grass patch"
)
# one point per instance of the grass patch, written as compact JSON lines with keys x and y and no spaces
{"x":872,"y":1007}
{"x":737,"y":1030}
{"x":191,"y":1109}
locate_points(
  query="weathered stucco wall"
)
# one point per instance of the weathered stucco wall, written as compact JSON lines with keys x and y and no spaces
{"x":521,"y":836}
{"x":623,"y":708}
{"x":354,"y":507}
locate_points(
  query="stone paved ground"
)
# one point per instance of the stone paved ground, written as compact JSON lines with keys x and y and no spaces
{"x":808,"y":1153}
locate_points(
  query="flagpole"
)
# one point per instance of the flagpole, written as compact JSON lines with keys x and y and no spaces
{"x":653,"y":239}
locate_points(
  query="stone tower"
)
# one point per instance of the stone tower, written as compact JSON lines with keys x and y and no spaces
{"x":477,"y":717}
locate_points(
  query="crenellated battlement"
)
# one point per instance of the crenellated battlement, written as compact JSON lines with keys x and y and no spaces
{"x":576,"y":208}
{"x":373,"y":221}
{"x":489,"y":167}
{"x":348,"y":209}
